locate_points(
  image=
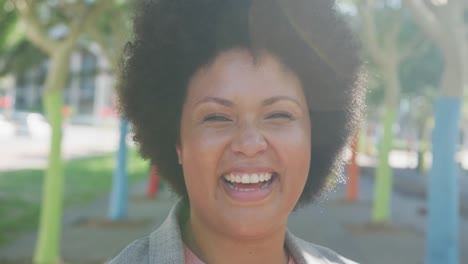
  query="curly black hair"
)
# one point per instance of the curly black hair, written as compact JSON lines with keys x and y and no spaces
{"x":174,"y":38}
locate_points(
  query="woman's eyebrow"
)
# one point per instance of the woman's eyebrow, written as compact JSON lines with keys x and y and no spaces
{"x":217,"y":100}
{"x":275,"y":99}
{"x":265,"y":102}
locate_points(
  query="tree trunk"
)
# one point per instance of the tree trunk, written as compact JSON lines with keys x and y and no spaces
{"x":352,"y":189}
{"x":119,"y":196}
{"x":423,"y":146}
{"x":48,"y":245}
{"x":383,"y":177}
{"x":383,"y":181}
{"x":443,"y":218}
{"x":363,"y":139}
{"x":445,"y":25}
{"x":453,"y":79}
{"x":153,"y":183}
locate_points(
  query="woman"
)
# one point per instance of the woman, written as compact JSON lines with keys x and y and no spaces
{"x":245,"y":106}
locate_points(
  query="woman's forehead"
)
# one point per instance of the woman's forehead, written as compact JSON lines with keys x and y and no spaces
{"x":238,"y":73}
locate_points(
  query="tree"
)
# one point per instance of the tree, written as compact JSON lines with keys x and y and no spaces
{"x":387,"y":52}
{"x":111,"y":33}
{"x":352,"y":188}
{"x":420,"y":77}
{"x":443,"y":21}
{"x":41,"y":21}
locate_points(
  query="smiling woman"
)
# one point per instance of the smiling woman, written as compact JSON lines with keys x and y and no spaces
{"x":245,"y":106}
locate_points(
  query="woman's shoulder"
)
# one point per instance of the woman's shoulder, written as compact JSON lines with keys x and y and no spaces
{"x":136,"y":252}
{"x":164,"y":245}
{"x":306,"y":252}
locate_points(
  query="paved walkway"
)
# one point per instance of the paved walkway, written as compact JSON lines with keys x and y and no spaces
{"x":78,"y":141}
{"x":330,"y":222}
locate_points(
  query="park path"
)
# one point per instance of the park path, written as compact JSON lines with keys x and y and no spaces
{"x":22,"y":152}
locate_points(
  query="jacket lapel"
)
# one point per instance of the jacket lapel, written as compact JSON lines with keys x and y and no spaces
{"x":166,"y":246}
{"x":303,"y":252}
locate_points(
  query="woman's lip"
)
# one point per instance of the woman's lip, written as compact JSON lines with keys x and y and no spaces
{"x":248,"y":171}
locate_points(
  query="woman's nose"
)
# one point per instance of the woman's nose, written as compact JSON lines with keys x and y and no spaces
{"x":249,"y":141}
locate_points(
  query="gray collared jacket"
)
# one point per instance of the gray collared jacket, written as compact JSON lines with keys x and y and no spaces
{"x":165,"y":246}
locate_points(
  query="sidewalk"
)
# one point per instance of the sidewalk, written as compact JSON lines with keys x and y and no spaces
{"x":344,"y":228}
{"x":86,"y":235}
{"x":329,"y":222}
{"x":78,"y":141}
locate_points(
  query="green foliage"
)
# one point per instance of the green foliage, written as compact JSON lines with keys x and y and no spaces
{"x":16,"y":53}
{"x":8,"y":23}
{"x":422,"y":71}
{"x":20,"y":57}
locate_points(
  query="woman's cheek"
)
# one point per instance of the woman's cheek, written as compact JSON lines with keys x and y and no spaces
{"x":294,"y":135}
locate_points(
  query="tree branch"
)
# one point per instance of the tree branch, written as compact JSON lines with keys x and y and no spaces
{"x":426,"y":19}
{"x":70,"y":10}
{"x":390,"y":44}
{"x":34,"y":30}
{"x":391,"y":38}
{"x":369,"y":31}
{"x":81,"y":24}
{"x":112,"y":42}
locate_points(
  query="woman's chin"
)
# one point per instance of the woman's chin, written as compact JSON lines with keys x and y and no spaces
{"x":252,"y":230}
{"x":253,"y":222}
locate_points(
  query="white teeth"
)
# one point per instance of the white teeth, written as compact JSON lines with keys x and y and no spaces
{"x":261,"y":177}
{"x":245,"y":178}
{"x":254,"y":179}
{"x":248,"y":178}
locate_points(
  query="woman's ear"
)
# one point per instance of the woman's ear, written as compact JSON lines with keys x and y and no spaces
{"x":179,"y":153}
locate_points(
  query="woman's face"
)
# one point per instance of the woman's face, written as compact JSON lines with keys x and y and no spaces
{"x":244,"y":144}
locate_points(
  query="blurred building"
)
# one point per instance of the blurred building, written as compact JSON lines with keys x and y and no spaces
{"x":7,"y":91}
{"x":88,"y":96}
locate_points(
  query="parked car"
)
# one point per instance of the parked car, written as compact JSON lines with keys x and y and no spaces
{"x":32,"y":125}
{"x":7,"y":128}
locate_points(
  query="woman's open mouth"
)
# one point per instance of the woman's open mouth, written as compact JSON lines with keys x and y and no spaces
{"x":249,"y":186}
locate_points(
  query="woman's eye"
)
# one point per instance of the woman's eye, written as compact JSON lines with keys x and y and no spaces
{"x":281,"y":115}
{"x":216,"y":118}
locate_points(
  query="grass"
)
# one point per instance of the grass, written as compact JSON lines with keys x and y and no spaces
{"x":85,"y":180}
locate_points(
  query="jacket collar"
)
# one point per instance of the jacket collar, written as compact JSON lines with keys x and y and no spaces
{"x":165,"y":243}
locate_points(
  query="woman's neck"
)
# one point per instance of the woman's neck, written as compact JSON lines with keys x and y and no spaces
{"x":215,"y":247}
